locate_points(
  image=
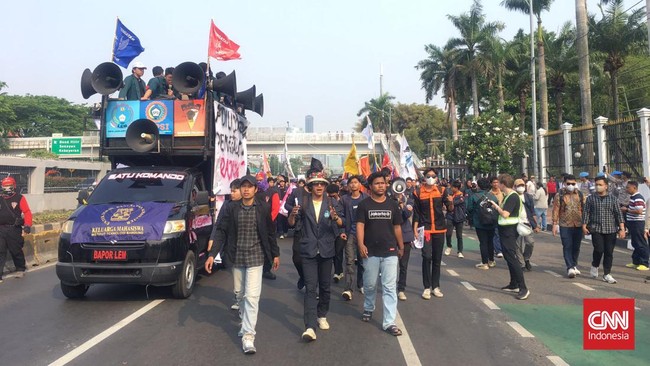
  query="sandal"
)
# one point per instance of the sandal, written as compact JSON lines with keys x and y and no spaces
{"x":366,"y":316}
{"x":394,"y":330}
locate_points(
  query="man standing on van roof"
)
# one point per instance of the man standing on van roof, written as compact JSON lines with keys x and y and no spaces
{"x":14,"y":216}
{"x":247,"y":236}
{"x":134,"y":87}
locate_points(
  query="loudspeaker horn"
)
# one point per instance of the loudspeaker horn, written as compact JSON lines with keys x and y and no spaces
{"x":398,"y":186}
{"x":246,"y":98}
{"x":188,"y":77}
{"x":87,"y":89}
{"x":226,"y":85}
{"x":142,"y":135}
{"x":259,"y":105}
{"x":106,"y":78}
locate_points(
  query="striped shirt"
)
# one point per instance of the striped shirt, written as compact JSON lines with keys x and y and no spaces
{"x":636,"y":203}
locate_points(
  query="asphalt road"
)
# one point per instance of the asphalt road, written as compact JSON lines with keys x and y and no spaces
{"x":471,"y":325}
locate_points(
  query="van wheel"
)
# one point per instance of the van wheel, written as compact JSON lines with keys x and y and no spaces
{"x":74,"y":292}
{"x":185,"y":282}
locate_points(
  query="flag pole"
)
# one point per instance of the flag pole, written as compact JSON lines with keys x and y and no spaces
{"x":117,"y":19}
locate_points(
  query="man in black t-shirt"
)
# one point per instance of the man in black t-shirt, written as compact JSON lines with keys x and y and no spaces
{"x":379,"y":237}
{"x":508,"y":219}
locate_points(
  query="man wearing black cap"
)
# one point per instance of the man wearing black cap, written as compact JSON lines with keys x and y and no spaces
{"x":247,"y":236}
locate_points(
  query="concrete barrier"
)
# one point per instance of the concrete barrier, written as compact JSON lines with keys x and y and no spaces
{"x":41,"y":247}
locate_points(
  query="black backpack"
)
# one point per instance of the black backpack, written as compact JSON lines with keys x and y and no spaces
{"x":487,"y":214}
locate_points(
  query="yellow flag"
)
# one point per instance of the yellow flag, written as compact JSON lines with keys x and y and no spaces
{"x":351,"y":164}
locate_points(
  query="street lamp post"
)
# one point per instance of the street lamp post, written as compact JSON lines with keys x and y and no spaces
{"x":533,"y":92}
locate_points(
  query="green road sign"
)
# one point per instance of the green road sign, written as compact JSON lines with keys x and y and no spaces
{"x":66,"y":146}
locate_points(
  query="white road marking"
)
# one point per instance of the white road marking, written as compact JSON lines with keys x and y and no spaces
{"x":490,"y":304}
{"x":452,"y":273}
{"x":553,"y":273}
{"x":105,"y":334}
{"x":405,"y":344}
{"x":621,"y":251}
{"x":443,"y":263}
{"x":468,"y":285}
{"x":521,"y":330}
{"x":557,"y":361}
{"x":585,"y":287}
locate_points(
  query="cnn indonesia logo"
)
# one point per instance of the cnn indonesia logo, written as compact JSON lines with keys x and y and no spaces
{"x":608,"y":324}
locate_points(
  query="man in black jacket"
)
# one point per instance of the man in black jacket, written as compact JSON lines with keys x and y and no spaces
{"x":247,"y":236}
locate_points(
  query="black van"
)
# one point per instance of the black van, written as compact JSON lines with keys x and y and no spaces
{"x":142,"y":225}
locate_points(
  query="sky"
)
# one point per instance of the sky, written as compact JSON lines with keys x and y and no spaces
{"x":320,"y":58}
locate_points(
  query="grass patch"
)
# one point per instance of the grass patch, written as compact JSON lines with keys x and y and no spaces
{"x":47,"y":217}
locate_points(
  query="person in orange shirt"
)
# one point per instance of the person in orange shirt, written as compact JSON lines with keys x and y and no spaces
{"x":428,"y":213}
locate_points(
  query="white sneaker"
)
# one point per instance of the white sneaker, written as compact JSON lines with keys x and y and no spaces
{"x":323,"y":324}
{"x":571,"y":273}
{"x":594,"y":272}
{"x":234,"y":306}
{"x":437,"y":292}
{"x":248,"y":344}
{"x":482,"y":266}
{"x":426,"y":294}
{"x":347,"y":295}
{"x":499,"y":255}
{"x":309,"y":335}
{"x":447,"y":250}
{"x":460,"y":255}
{"x":575,"y":269}
{"x":401,"y":295}
{"x":608,"y":278}
{"x":492,"y":264}
{"x":281,"y":236}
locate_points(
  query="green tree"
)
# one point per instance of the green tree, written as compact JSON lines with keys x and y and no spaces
{"x":562,"y":62}
{"x":7,"y":115}
{"x":41,"y":115}
{"x":538,"y":7}
{"x":616,"y":36}
{"x":518,"y":74}
{"x":473,"y":43}
{"x":274,"y":163}
{"x":440,"y":71}
{"x":296,"y":165}
{"x":491,"y":145}
{"x":377,"y":110}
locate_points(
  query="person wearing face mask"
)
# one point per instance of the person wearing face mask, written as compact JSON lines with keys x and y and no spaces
{"x":526,"y":243}
{"x":602,"y":218}
{"x":428,"y":212}
{"x":15,"y":217}
{"x":567,"y":220}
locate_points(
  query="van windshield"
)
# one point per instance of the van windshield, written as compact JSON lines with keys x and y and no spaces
{"x":140,"y":187}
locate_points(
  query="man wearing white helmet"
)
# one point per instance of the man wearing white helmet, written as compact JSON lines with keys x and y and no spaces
{"x":134,"y":87}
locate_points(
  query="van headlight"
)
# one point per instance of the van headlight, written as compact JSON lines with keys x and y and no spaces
{"x":174,"y":226}
{"x":67,"y":227}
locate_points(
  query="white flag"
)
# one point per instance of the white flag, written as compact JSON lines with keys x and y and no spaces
{"x":285,"y":161}
{"x":367,"y":131}
{"x":406,"y":159}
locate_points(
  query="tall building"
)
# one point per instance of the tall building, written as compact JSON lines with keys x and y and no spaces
{"x":309,"y":123}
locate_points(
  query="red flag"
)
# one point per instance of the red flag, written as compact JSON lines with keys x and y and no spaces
{"x":220,"y":46}
{"x":364,"y":166}
{"x":386,"y":162}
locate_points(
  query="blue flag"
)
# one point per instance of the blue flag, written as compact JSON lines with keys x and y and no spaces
{"x":126,"y":47}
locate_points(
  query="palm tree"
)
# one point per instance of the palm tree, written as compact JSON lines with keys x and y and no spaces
{"x":517,"y":72}
{"x":475,"y":35}
{"x":562,"y":62}
{"x":582,"y":46}
{"x":499,"y":53}
{"x":439,"y":71}
{"x":617,"y":35}
{"x":377,"y":110}
{"x":538,"y":6}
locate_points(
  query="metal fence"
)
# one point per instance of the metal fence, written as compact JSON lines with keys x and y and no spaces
{"x":584,"y":150}
{"x":554,"y":151}
{"x":624,"y":146}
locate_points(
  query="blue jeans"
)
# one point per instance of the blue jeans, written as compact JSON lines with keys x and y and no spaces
{"x":387,"y":266}
{"x":541,"y":217}
{"x":571,"y":238}
{"x":497,"y":241}
{"x":247,"y":287}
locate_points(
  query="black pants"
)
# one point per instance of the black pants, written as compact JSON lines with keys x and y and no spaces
{"x":550,"y":198}
{"x":296,"y":258}
{"x":486,"y":243}
{"x":640,"y":253}
{"x":11,"y":239}
{"x":431,"y":259}
{"x":339,"y":246}
{"x":603,"y":244}
{"x":318,"y":274}
{"x":403,"y":267}
{"x":282,"y":225}
{"x":459,"y":234}
{"x":508,"y":235}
